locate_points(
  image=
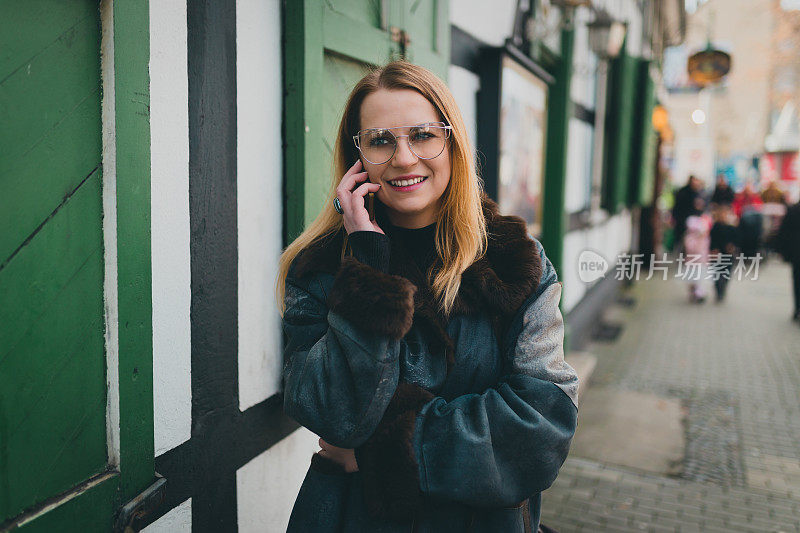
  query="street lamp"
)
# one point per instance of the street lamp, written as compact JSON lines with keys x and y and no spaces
{"x":698,"y":116}
{"x":606,"y":35}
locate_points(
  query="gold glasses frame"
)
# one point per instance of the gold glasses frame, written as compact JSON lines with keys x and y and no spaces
{"x":446,"y":127}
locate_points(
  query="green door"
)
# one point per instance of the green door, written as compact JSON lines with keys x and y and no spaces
{"x":60,"y":450}
{"x":329,"y":47}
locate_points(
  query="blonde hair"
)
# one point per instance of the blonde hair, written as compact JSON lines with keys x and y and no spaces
{"x":460,"y":227}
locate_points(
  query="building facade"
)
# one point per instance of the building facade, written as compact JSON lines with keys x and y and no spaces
{"x":746,"y":126}
{"x":158,"y":157}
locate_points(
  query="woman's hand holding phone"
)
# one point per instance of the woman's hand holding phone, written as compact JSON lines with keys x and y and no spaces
{"x":352,"y":198}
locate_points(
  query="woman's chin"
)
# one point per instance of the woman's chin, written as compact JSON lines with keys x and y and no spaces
{"x":407,"y":206}
{"x":405,"y":214}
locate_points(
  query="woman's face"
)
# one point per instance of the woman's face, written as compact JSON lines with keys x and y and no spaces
{"x":410,"y":206}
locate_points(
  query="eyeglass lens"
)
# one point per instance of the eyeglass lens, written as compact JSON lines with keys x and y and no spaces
{"x":378,"y":145}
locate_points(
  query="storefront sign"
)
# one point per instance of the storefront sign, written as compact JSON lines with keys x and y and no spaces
{"x":708,"y":66}
{"x":523,"y":118}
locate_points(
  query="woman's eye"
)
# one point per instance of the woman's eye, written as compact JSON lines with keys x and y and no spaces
{"x":422,"y":135}
{"x":379,"y":141}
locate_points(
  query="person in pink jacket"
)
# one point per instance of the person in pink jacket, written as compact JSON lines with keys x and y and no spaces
{"x":696,"y":245}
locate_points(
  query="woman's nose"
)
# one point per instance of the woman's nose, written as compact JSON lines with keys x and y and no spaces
{"x":403,"y":156}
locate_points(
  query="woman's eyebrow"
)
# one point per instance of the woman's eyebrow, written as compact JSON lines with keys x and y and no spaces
{"x":406,"y":126}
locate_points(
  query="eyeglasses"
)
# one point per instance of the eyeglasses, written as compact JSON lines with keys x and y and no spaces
{"x":426,"y":141}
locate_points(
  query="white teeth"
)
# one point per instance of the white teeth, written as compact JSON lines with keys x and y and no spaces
{"x":406,"y":183}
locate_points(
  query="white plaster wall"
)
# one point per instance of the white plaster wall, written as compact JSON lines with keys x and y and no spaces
{"x":573,"y":288}
{"x":578,"y":173}
{"x":110,"y":294}
{"x":609,"y":238}
{"x":169,"y":152}
{"x":584,"y":63}
{"x":618,"y":232}
{"x":465,"y":85}
{"x":177,"y":520}
{"x":490,"y":22}
{"x":259,"y":197}
{"x":267,"y":486}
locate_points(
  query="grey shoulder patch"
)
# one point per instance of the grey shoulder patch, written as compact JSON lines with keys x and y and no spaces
{"x":540,"y":346}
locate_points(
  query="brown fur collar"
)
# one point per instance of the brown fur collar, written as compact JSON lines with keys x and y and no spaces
{"x":497,"y":283}
{"x":500,"y":281}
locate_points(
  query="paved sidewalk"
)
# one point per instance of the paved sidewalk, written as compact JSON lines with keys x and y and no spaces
{"x":735,"y":368}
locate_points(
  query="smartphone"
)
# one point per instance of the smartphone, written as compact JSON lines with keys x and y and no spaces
{"x":371,"y":205}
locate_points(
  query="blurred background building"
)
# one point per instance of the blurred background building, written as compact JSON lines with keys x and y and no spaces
{"x":746,"y":127}
{"x":157,"y":158}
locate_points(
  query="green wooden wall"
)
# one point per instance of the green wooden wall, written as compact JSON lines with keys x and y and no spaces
{"x":53,"y":367}
{"x":52,"y":356}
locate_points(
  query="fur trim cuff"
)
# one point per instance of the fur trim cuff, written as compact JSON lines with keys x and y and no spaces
{"x":387,"y":461}
{"x":371,"y":300}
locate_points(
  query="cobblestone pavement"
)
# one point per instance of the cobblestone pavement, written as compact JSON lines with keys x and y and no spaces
{"x":736,"y":368}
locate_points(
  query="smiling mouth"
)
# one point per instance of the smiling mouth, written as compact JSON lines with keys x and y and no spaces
{"x":407,"y":183}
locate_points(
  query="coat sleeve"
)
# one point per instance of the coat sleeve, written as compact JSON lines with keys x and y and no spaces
{"x":342,"y":349}
{"x":491,"y":449}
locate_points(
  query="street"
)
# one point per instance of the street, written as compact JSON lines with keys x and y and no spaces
{"x":691,"y":419}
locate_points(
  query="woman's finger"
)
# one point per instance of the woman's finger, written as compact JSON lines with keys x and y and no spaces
{"x":329,"y":448}
{"x":357,"y":205}
{"x":348,"y":183}
{"x":355,"y":200}
{"x":365,"y":188}
{"x":355,"y":169}
{"x":346,"y":186}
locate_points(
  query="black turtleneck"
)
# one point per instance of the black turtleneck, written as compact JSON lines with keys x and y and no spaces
{"x":373,"y":248}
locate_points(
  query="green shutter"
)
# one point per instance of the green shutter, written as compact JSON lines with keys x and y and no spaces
{"x":642,"y":180}
{"x":559,"y":111}
{"x":52,"y":358}
{"x":53,"y":375}
{"x":623,"y":76}
{"x":329,"y":47}
{"x":427,"y":24}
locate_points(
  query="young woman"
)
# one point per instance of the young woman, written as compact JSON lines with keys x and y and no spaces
{"x":424,"y":347}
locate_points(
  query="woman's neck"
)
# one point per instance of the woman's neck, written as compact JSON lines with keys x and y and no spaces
{"x":413,"y":220}
{"x":421,"y":229}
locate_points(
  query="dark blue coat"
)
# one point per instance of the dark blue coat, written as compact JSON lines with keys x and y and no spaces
{"x":457,"y":424}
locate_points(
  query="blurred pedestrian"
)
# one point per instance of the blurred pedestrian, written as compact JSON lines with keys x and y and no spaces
{"x":696,"y":246}
{"x":788,"y":245}
{"x":773,"y":211}
{"x":747,"y":207}
{"x":723,"y":193}
{"x":685,"y":206}
{"x":747,"y":199}
{"x":773,"y":194}
{"x":724,"y":239}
